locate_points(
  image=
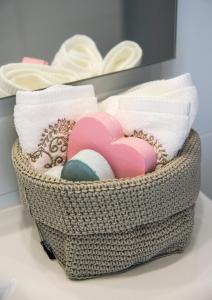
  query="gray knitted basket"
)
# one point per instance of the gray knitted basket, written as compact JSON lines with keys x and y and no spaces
{"x":95,"y":228}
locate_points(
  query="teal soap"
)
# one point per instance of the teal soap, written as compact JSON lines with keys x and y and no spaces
{"x":87,"y":165}
{"x":76,"y":170}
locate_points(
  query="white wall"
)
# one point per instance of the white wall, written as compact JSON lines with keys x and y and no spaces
{"x":194,"y":55}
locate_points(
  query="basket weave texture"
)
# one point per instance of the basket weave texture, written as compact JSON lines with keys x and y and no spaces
{"x":103,"y":227}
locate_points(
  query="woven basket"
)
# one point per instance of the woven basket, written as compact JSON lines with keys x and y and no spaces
{"x":95,"y":228}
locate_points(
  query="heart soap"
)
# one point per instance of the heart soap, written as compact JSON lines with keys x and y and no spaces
{"x":101,"y":132}
{"x":87,"y":165}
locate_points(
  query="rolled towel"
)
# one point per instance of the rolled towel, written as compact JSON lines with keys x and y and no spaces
{"x":3,"y":93}
{"x":20,"y":76}
{"x":80,"y":55}
{"x":43,"y":119}
{"x":124,"y":55}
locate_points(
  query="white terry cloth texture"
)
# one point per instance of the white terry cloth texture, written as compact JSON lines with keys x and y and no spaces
{"x":167,"y":132}
{"x":57,"y":93}
{"x":21,"y":76}
{"x":181,"y":101}
{"x":124,"y":55}
{"x":159,"y":87}
{"x":43,"y":126}
{"x":81,"y":55}
{"x":162,"y":112}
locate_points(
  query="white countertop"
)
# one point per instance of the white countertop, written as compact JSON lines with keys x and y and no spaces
{"x":178,"y":277}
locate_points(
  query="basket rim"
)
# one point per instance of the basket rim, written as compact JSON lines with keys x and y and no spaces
{"x":28,"y":170}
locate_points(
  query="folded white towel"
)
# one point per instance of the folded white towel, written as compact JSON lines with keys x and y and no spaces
{"x":179,"y":88}
{"x":147,"y":104}
{"x":186,"y":95}
{"x":43,"y":127}
{"x":160,"y":87}
{"x":165,"y":132}
{"x":124,"y":55}
{"x":80,"y":55}
{"x":185,"y":99}
{"x":148,"y":109}
{"x":20,"y":76}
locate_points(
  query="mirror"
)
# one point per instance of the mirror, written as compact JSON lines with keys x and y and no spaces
{"x":38,"y":28}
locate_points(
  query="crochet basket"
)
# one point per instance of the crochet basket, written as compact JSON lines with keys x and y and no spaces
{"x":102,"y":227}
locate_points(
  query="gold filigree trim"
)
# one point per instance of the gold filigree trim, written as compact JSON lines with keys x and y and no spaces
{"x":162,"y":156}
{"x":53,"y":145}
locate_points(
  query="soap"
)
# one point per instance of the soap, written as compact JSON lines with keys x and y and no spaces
{"x":101,"y":132}
{"x":87,"y":165}
{"x":55,"y":171}
{"x":33,"y":60}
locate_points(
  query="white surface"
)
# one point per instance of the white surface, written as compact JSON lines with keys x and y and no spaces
{"x":9,"y":199}
{"x":187,"y":276}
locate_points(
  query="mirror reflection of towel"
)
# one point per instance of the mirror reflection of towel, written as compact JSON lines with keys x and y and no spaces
{"x":80,"y":55}
{"x":77,"y":58}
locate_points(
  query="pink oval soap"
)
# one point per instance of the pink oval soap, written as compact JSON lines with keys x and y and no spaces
{"x":101,"y":132}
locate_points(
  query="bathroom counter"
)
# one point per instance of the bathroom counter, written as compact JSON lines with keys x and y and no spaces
{"x":187,"y":276}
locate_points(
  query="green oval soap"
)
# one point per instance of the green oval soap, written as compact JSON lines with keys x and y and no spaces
{"x":87,"y":165}
{"x":75,"y":170}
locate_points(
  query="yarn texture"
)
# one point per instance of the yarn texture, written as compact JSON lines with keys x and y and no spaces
{"x":102,"y":227}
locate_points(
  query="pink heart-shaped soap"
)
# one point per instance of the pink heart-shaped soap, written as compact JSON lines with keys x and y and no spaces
{"x":101,"y":132}
{"x":33,"y":60}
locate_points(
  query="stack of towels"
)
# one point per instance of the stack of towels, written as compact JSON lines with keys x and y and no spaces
{"x":160,"y":112}
{"x":77,"y":58}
